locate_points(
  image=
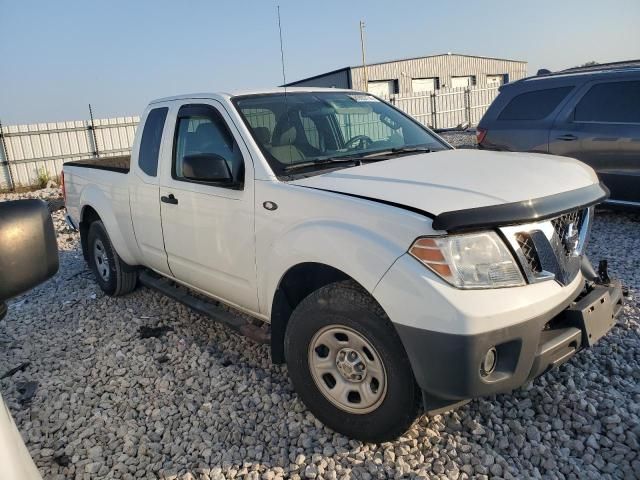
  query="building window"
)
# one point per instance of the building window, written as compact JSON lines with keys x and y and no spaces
{"x":383,"y":88}
{"x":463,"y":81}
{"x":430,"y":84}
{"x":496,"y":80}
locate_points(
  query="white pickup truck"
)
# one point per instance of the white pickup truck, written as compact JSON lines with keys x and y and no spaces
{"x":389,"y":271}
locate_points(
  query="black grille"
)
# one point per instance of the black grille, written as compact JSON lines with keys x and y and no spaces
{"x":562,"y":224}
{"x":529,"y":251}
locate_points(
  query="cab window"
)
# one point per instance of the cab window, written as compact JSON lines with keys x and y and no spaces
{"x":150,"y":142}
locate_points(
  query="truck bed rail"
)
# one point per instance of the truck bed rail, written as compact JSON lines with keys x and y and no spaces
{"x":120,"y":164}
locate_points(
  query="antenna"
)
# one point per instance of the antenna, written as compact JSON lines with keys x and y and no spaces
{"x":364,"y":63}
{"x":284,"y":77}
{"x":284,"y":81}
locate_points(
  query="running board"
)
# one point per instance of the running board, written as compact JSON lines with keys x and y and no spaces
{"x":205,"y":307}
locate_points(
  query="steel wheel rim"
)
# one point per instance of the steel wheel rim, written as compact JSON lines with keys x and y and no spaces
{"x":101,"y":260}
{"x":347,"y":369}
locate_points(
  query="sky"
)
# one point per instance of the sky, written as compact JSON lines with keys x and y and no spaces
{"x":58,"y":56}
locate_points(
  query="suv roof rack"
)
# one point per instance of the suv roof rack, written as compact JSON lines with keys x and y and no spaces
{"x":598,"y":68}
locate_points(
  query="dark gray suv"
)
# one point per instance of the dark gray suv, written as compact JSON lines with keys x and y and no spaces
{"x":592,"y":115}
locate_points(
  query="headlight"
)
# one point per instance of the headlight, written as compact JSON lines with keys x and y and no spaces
{"x":476,"y":260}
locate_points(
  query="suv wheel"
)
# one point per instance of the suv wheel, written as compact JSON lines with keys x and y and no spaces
{"x":348,"y":364}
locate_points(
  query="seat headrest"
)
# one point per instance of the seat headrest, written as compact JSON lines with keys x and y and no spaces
{"x":287,"y":137}
{"x":263,"y":135}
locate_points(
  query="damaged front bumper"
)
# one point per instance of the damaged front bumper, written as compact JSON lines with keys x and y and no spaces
{"x":461,"y":367}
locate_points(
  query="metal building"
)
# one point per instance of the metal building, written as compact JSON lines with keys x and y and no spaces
{"x":422,"y":74}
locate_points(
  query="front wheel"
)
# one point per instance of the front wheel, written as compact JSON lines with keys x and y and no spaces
{"x":114,"y":277}
{"x":348,"y":364}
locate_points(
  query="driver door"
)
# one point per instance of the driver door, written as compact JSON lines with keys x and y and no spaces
{"x":208,"y":225}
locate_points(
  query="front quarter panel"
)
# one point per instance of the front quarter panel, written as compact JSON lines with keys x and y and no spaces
{"x":359,"y":237}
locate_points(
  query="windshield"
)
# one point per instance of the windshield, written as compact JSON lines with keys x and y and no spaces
{"x":310,"y":129}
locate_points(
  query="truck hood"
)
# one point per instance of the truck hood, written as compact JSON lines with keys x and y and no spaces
{"x":457,"y":179}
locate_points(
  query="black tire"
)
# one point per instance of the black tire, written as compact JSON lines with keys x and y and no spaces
{"x":120,"y":278}
{"x":347,"y":304}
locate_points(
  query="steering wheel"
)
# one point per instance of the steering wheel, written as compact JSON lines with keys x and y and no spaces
{"x":363,"y":139}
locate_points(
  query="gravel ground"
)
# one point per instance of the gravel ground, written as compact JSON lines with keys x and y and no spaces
{"x":202,"y":402}
{"x":464,"y":139}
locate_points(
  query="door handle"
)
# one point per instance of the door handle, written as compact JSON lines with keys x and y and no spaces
{"x":170,"y":199}
{"x":567,"y":138}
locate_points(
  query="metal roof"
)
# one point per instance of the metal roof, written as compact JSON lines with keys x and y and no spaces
{"x":407,"y":59}
{"x":440,"y":55}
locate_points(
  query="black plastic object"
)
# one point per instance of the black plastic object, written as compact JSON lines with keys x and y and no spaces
{"x":203,"y":306}
{"x":603,"y":271}
{"x":536,"y":209}
{"x":28,"y":246}
{"x":587,"y":270}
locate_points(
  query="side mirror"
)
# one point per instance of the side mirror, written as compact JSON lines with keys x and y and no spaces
{"x":206,"y":167}
{"x":28,"y":247}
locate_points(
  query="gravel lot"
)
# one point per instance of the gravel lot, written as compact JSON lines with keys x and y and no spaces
{"x":202,"y":402}
{"x":463,"y":139}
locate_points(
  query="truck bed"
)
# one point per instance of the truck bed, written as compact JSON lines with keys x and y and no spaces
{"x":119,"y":164}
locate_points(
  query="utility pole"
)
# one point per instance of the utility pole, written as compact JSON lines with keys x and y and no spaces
{"x":364,"y":62}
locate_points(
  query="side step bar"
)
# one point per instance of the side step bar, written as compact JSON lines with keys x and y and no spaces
{"x":209,"y":308}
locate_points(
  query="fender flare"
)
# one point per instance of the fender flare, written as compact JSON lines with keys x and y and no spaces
{"x":359,"y":253}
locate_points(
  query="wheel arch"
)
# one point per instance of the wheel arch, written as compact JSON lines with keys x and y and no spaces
{"x":88,"y":215}
{"x":97,"y":208}
{"x":298,"y":282}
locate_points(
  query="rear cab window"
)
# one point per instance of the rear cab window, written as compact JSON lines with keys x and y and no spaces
{"x":150,"y":142}
{"x":534,"y":105}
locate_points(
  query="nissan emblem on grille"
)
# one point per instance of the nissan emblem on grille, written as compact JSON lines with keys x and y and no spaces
{"x":551,"y":248}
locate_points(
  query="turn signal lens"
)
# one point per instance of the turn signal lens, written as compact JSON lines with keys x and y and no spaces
{"x":477,"y":260}
{"x":427,"y":251}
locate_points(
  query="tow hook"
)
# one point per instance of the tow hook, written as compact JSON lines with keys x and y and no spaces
{"x":603,"y":273}
{"x":601,"y":277}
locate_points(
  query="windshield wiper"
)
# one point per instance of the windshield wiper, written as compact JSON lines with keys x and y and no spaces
{"x":322,"y":161}
{"x":358,"y":158}
{"x":391,"y":151}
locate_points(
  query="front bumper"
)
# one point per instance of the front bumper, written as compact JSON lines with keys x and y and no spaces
{"x":448,"y":366}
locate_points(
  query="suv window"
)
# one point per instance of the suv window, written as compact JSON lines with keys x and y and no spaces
{"x":202,"y":131}
{"x":150,"y":142}
{"x":534,"y":105}
{"x":610,"y":102}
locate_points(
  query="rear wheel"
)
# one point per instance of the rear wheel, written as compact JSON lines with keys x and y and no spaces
{"x":348,"y":364}
{"x":114,"y":277}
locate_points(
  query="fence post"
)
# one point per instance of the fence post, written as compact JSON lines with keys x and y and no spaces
{"x":92,"y":128}
{"x":12,"y":183}
{"x":467,"y":104}
{"x":434,"y":113}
